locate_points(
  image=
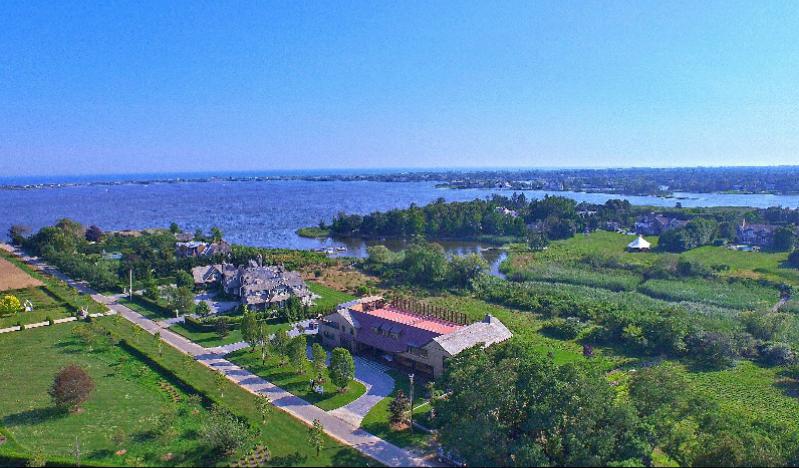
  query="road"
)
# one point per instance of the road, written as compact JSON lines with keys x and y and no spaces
{"x":336,"y":427}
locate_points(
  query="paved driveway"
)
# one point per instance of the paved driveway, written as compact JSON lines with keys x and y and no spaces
{"x":379,"y":385}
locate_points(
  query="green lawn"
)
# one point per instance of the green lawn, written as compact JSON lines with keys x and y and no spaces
{"x":147,"y":310}
{"x":44,"y":303}
{"x":377,"y":420}
{"x":123,"y":412}
{"x":330,"y":298}
{"x":210,"y":339}
{"x":285,"y":436}
{"x":287,"y":378}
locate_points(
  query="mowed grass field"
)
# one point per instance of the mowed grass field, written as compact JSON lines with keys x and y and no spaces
{"x":129,"y":410}
{"x":123,"y":412}
{"x":12,"y":277}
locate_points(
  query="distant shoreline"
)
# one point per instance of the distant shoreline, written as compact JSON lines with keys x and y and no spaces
{"x":659,"y":182}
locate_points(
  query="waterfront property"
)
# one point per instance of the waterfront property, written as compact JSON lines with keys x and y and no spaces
{"x":201,"y":249}
{"x":421,"y":339}
{"x":257,"y":286}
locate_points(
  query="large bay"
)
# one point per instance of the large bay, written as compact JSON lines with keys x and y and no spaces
{"x":266,"y":213}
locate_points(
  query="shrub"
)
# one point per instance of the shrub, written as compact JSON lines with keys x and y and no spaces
{"x":71,"y":387}
{"x":565,"y":329}
{"x":9,"y":305}
{"x":223,"y":431}
{"x":777,"y":354}
{"x":50,"y":321}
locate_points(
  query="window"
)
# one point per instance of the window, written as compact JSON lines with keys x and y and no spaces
{"x":417,"y":351}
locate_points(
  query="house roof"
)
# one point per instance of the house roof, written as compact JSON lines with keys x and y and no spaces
{"x":487,"y":332}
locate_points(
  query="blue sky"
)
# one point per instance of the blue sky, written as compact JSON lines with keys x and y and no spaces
{"x":116,"y":87}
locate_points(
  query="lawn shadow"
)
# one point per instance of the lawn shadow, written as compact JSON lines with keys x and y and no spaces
{"x":295,"y":459}
{"x":34,"y":416}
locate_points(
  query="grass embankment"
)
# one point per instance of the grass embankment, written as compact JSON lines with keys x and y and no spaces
{"x":285,"y":436}
{"x":288,"y":378}
{"x":313,"y":232}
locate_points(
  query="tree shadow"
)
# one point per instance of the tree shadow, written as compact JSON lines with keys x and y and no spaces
{"x":293,"y":459}
{"x":34,"y":416}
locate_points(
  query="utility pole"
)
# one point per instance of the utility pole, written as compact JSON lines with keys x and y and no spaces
{"x":130,"y":278}
{"x":410,"y":418}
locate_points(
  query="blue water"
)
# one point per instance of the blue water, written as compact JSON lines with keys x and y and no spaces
{"x":266,"y":213}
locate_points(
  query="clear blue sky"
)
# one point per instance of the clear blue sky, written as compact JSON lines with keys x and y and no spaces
{"x":114,"y":87}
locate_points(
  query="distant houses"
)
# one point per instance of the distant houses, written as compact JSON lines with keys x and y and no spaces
{"x":656,"y":224}
{"x":418,"y":338}
{"x":761,"y":235}
{"x":257,"y":286}
{"x":201,"y":249}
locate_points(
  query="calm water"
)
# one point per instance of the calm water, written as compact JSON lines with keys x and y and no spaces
{"x":268,"y":213}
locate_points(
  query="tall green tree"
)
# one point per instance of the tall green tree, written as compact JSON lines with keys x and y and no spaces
{"x":298,"y":353}
{"x":342,"y":368}
{"x":319,"y":356}
{"x":250,"y":328}
{"x":316,"y":436}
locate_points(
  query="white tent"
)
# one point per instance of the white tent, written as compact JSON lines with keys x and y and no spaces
{"x":639,"y":244}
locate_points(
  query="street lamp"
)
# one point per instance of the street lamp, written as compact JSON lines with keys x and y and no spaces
{"x":410,"y":418}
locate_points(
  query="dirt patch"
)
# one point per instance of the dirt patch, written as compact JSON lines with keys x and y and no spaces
{"x":12,"y":277}
{"x":340,"y":277}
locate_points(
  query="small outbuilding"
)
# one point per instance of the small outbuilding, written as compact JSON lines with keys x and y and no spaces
{"x":639,"y":245}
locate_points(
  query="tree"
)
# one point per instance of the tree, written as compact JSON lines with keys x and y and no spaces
{"x":536,"y":240}
{"x":71,"y":387}
{"x":9,"y":305}
{"x":319,"y":357}
{"x":94,"y":234}
{"x":18,"y":233}
{"x":174,"y":228}
{"x":202,"y":309}
{"x":223,"y":431}
{"x":158,"y":343}
{"x":464,"y":268}
{"x":425,"y":263}
{"x":297,"y":353}
{"x":265,"y":407}
{"x":198,"y":234}
{"x":509,"y":403}
{"x":180,"y":299}
{"x":264,"y":341}
{"x":249,"y":328}
{"x":216,"y":234}
{"x":221,"y":381}
{"x":784,"y":239}
{"x":280,"y":345}
{"x":342,"y":368}
{"x":316,"y":436}
{"x":398,"y":408}
{"x":793,"y":259}
{"x":184,"y":280}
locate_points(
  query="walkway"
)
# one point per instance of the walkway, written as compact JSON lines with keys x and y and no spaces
{"x":337,"y":427}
